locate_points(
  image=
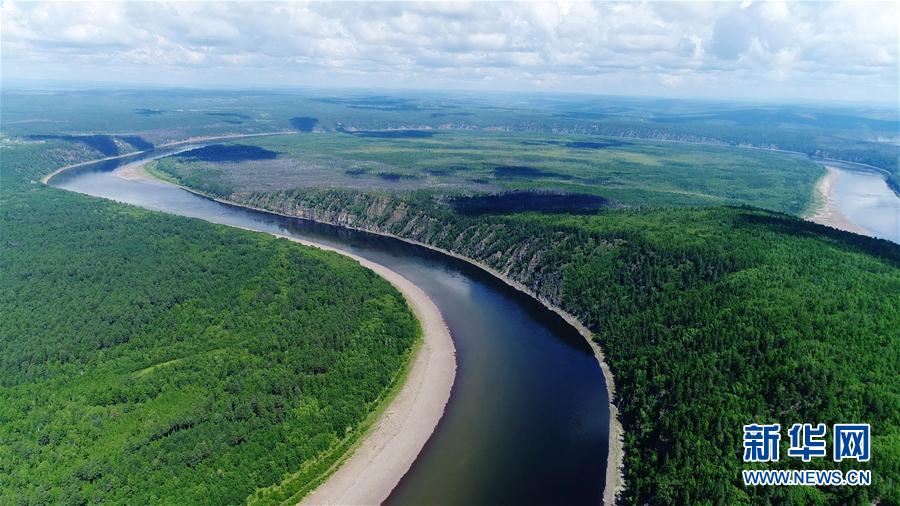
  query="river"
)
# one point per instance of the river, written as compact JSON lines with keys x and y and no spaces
{"x":865,"y":199}
{"x":527,"y":421}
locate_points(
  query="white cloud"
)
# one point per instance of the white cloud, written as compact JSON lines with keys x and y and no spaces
{"x":774,"y":49}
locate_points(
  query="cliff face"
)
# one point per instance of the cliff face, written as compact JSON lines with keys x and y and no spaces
{"x":533,"y":258}
{"x":598,"y":276}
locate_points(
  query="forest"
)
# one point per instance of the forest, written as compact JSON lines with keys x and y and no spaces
{"x":710,"y":318}
{"x":151,"y":359}
{"x":633,"y":215}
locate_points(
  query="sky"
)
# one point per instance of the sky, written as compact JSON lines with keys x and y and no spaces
{"x":772,"y":50}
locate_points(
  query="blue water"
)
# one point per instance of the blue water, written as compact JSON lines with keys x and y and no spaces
{"x":867,"y":201}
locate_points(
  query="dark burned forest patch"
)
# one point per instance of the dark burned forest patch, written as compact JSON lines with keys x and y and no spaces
{"x":595,"y":144}
{"x":446,"y":170}
{"x":526,"y":172}
{"x":394,"y":176}
{"x":228,"y":153}
{"x":393,"y":134}
{"x":599,"y":144}
{"x":304,"y":123}
{"x":540,"y":143}
{"x":525,"y":201}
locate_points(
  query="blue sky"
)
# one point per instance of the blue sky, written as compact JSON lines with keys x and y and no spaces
{"x":772,"y":50}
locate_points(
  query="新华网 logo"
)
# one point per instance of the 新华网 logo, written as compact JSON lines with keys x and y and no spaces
{"x":849,"y":441}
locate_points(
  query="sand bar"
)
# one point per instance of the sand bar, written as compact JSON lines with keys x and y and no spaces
{"x":828,"y":213}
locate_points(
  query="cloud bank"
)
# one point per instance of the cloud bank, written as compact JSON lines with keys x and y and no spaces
{"x":839,"y":51}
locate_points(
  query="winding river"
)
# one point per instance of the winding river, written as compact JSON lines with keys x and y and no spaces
{"x":527,"y":420}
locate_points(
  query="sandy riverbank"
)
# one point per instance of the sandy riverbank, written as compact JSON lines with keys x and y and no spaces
{"x":376,"y":466}
{"x":828,"y":213}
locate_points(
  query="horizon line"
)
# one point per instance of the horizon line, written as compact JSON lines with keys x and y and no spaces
{"x":16,"y":83}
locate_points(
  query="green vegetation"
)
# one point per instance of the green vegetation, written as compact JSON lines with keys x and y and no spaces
{"x":858,"y":134}
{"x":634,"y":173}
{"x":710,"y":317}
{"x":147,"y":358}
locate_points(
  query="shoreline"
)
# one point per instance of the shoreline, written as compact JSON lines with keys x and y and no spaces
{"x":827,"y":211}
{"x":372,"y":468}
{"x":614,"y":480}
{"x":369,"y":470}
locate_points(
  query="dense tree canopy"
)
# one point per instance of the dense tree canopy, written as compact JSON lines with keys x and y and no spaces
{"x":710,"y":317}
{"x":147,"y":358}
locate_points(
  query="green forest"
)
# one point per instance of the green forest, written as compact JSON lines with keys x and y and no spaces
{"x":715,"y":317}
{"x":148,"y":358}
{"x":151,"y":359}
{"x":710,"y":318}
